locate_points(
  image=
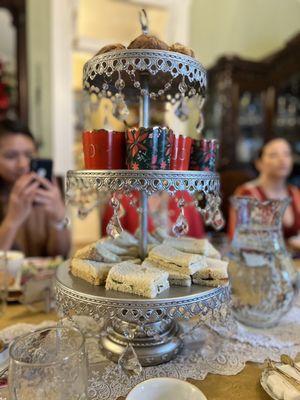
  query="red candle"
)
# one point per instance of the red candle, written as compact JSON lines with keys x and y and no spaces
{"x":104,"y":149}
{"x":180,"y":153}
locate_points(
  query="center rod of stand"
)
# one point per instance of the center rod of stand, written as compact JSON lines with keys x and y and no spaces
{"x":143,"y":225}
{"x":144,"y":122}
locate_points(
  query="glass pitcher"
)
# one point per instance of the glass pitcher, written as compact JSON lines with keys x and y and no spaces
{"x":261,"y":273}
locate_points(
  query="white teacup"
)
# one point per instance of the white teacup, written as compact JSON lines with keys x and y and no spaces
{"x":15,"y":261}
{"x":165,"y":389}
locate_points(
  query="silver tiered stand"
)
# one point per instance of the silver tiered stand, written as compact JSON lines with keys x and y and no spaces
{"x":149,"y":324}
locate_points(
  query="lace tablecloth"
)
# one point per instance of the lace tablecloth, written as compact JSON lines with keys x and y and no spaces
{"x":215,"y":349}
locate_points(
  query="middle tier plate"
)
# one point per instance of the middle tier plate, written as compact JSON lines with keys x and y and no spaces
{"x":148,"y":181}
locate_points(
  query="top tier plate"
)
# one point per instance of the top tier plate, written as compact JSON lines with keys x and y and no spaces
{"x":169,"y":74}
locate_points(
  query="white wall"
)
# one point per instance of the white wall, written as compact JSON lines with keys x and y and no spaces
{"x":249,"y":28}
{"x":49,"y":35}
{"x":39,"y":72}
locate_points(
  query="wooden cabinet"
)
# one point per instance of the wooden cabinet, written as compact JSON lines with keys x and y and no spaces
{"x":17,"y":9}
{"x":250,"y":102}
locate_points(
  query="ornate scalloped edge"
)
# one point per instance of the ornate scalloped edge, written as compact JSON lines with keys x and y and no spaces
{"x":145,"y":180}
{"x":69,"y":300}
{"x":141,"y":60}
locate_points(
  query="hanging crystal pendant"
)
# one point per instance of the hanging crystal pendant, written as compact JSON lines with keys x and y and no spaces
{"x":94,"y":102}
{"x":182,"y":111}
{"x":182,"y":86}
{"x":218,"y":221}
{"x":129,"y":361}
{"x":82,"y":212}
{"x":207,"y":216}
{"x":132,"y":200}
{"x":120,"y":109}
{"x":181,"y":226}
{"x":114,"y":227}
{"x":200,"y":124}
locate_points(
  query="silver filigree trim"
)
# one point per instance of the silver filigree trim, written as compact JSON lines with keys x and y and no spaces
{"x":165,"y":70}
{"x":140,"y":311}
{"x":144,"y":180}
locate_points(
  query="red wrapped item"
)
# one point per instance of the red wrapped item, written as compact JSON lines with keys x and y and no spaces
{"x":180,"y":153}
{"x":104,"y":149}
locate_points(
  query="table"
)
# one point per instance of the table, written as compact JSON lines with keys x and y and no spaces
{"x":216,"y":387}
{"x":244,"y":386}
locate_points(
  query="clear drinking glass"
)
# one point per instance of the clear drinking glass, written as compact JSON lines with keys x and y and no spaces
{"x":50,"y":364}
{"x":3,"y":283}
{"x":261,"y":273}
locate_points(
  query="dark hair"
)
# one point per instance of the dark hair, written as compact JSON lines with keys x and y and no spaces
{"x":261,"y":150}
{"x":15,"y":127}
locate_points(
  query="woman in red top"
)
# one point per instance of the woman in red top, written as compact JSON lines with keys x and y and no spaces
{"x":274,"y":164}
{"x":163,"y":212}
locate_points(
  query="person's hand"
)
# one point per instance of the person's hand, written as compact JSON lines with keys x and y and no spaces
{"x":294,"y":242}
{"x":49,"y":197}
{"x":21,"y":199}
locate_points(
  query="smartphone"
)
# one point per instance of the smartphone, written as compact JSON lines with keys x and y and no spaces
{"x":42,"y":166}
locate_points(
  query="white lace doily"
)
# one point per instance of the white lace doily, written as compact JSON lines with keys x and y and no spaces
{"x":282,"y":336}
{"x":206,"y":351}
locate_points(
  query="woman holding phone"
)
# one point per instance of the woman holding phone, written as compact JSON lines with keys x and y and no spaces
{"x":32,"y":210}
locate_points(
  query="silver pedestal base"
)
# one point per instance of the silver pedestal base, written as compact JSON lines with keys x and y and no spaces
{"x":158,"y":348}
{"x":149,"y":324}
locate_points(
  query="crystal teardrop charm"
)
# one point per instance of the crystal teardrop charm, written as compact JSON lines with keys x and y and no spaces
{"x":181,"y":226}
{"x":182,"y":111}
{"x":129,"y":361}
{"x":114,"y":227}
{"x":82,"y":212}
{"x":218,"y":220}
{"x":120,"y":109}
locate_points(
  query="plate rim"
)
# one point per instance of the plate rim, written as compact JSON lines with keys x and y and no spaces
{"x":163,"y":378}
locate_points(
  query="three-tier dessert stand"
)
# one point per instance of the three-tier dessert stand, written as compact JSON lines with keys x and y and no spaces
{"x":150,"y":325}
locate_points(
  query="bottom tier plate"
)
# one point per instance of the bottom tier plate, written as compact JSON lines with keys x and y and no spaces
{"x":156,"y":336}
{"x":71,"y":287}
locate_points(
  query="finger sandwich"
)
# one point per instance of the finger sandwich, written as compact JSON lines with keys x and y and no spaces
{"x":174,"y":260}
{"x":215,"y":274}
{"x":126,"y":239}
{"x":97,"y":252}
{"x":110,"y":245}
{"x":141,"y":280}
{"x":175,"y":278}
{"x":93,"y":272}
{"x":194,"y":246}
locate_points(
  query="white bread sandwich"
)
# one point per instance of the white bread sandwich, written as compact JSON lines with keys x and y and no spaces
{"x":175,"y":278}
{"x":97,"y":252}
{"x":137,"y":279}
{"x":194,"y":246}
{"x":174,"y":260}
{"x":126,"y":239}
{"x":130,"y":252}
{"x":214,"y":275}
{"x":93,"y":272}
